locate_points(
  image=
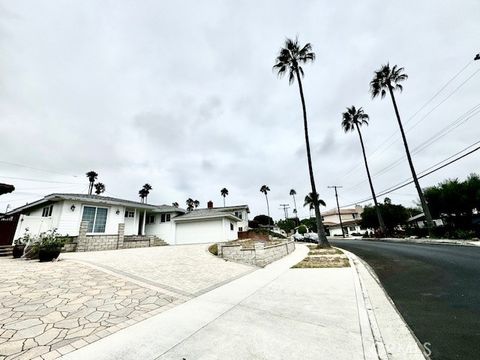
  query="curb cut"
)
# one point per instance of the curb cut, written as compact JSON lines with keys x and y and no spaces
{"x":380,"y":343}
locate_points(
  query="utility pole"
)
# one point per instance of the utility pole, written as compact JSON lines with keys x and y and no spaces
{"x":285,"y":209}
{"x":338,"y":206}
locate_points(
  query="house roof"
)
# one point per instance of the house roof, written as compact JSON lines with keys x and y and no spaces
{"x":342,"y":211}
{"x":6,"y":188}
{"x":205,"y":214}
{"x":97,"y":199}
{"x":230,"y":208}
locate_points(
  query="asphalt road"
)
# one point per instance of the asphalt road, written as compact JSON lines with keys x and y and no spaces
{"x":435,"y":287}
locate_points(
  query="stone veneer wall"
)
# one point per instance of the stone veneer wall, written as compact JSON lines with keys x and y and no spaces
{"x":260,"y":255}
{"x":99,"y":242}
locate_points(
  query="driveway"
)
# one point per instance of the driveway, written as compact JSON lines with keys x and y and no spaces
{"x":50,"y":309}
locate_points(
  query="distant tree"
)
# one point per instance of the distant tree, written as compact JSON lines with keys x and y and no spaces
{"x":147,"y":187}
{"x":265,"y":189}
{"x":393,"y":215}
{"x":310,"y":201}
{"x":286,"y":225}
{"x":292,"y":194}
{"x":253,"y":224}
{"x":196,"y":203}
{"x":190,"y":204}
{"x":99,"y":188}
{"x":143,"y":194}
{"x":175,"y":204}
{"x":302,"y":229}
{"x":224,"y":193}
{"x":264,"y":220}
{"x":310,"y":223}
{"x":352,"y":120}
{"x":290,"y":60}
{"x":388,"y":79}
{"x":92,"y":176}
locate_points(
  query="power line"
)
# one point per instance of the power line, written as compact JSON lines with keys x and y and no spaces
{"x":390,"y":190}
{"x":37,"y":180}
{"x":35,"y":168}
{"x":387,"y":140}
{"x":462,"y":119}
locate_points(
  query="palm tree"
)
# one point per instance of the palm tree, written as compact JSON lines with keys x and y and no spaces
{"x":99,"y":188}
{"x":143,"y":194}
{"x":147,"y":187}
{"x":175,"y":204}
{"x":224,"y":193}
{"x":310,"y":203}
{"x":353,"y":119}
{"x":92,"y":176}
{"x":292,"y":194}
{"x":196,"y":203}
{"x":190,"y":204}
{"x":389,"y":78}
{"x":290,"y":59}
{"x":265,"y":189}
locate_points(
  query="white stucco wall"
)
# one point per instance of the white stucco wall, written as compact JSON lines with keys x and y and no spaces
{"x":228,"y":233}
{"x":165,"y":230}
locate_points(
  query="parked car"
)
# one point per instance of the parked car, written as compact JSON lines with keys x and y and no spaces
{"x":298,"y":237}
{"x":311,"y":237}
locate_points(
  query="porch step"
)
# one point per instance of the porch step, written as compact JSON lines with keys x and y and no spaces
{"x":159,"y":242}
{"x":6,"y":250}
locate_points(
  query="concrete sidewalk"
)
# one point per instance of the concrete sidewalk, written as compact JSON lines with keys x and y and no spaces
{"x":272,"y":313}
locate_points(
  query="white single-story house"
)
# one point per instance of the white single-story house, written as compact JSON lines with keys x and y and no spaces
{"x":65,"y":212}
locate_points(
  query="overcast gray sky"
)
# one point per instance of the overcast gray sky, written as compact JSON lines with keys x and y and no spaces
{"x":181,"y":95}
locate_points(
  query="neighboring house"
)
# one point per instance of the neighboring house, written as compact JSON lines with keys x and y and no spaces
{"x":420,"y":222}
{"x":107,"y":216}
{"x":351,"y":218}
{"x":240,"y":211}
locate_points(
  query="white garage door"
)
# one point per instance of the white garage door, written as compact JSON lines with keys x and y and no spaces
{"x":198,"y":232}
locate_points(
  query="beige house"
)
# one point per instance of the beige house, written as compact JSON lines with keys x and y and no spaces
{"x":351,"y":218}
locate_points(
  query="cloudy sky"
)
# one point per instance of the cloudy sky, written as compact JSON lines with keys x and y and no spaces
{"x":181,"y":95}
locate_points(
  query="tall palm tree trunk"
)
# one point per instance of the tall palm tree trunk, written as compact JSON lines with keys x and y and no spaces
{"x":322,"y":237}
{"x":224,"y":201}
{"x":295,"y":205}
{"x":426,"y":211}
{"x":377,"y":208}
{"x":268,"y":211}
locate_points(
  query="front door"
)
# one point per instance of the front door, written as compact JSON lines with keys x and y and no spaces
{"x":8,"y":225}
{"x":140,"y":223}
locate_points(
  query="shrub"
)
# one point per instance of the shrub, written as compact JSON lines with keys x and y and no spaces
{"x":302,"y":229}
{"x":213,"y":249}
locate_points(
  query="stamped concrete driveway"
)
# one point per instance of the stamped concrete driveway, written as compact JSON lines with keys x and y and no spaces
{"x":186,"y":270}
{"x":50,"y":309}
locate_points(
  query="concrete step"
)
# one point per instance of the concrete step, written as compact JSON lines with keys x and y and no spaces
{"x":6,"y":250}
{"x":159,"y":242}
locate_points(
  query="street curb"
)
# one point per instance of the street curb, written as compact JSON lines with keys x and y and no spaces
{"x":380,"y":345}
{"x":369,"y":327}
{"x":420,"y":241}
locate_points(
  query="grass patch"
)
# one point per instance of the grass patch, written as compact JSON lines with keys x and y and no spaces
{"x":323,"y":258}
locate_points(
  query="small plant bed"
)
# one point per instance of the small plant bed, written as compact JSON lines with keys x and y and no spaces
{"x":250,"y":243}
{"x":323,"y":258}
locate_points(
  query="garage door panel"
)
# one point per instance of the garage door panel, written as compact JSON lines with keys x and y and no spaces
{"x":198,"y":232}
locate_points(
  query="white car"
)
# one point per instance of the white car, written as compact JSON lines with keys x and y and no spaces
{"x":297,"y":237}
{"x":311,"y":237}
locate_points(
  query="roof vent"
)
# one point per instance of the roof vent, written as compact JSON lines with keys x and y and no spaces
{"x":210,"y":204}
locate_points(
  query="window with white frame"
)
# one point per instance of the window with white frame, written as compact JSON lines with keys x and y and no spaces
{"x":150,"y":219}
{"x":238,"y":214}
{"x":232,"y":227}
{"x":165,"y":218}
{"x":96,"y":218}
{"x":129,"y":214}
{"x":47,"y":211}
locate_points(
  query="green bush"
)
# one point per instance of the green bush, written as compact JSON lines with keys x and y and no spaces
{"x":213,"y":249}
{"x":302,"y":229}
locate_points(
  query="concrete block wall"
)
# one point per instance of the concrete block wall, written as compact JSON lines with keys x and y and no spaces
{"x":260,"y":255}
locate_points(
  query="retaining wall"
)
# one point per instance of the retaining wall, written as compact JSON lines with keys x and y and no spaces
{"x":260,"y":255}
